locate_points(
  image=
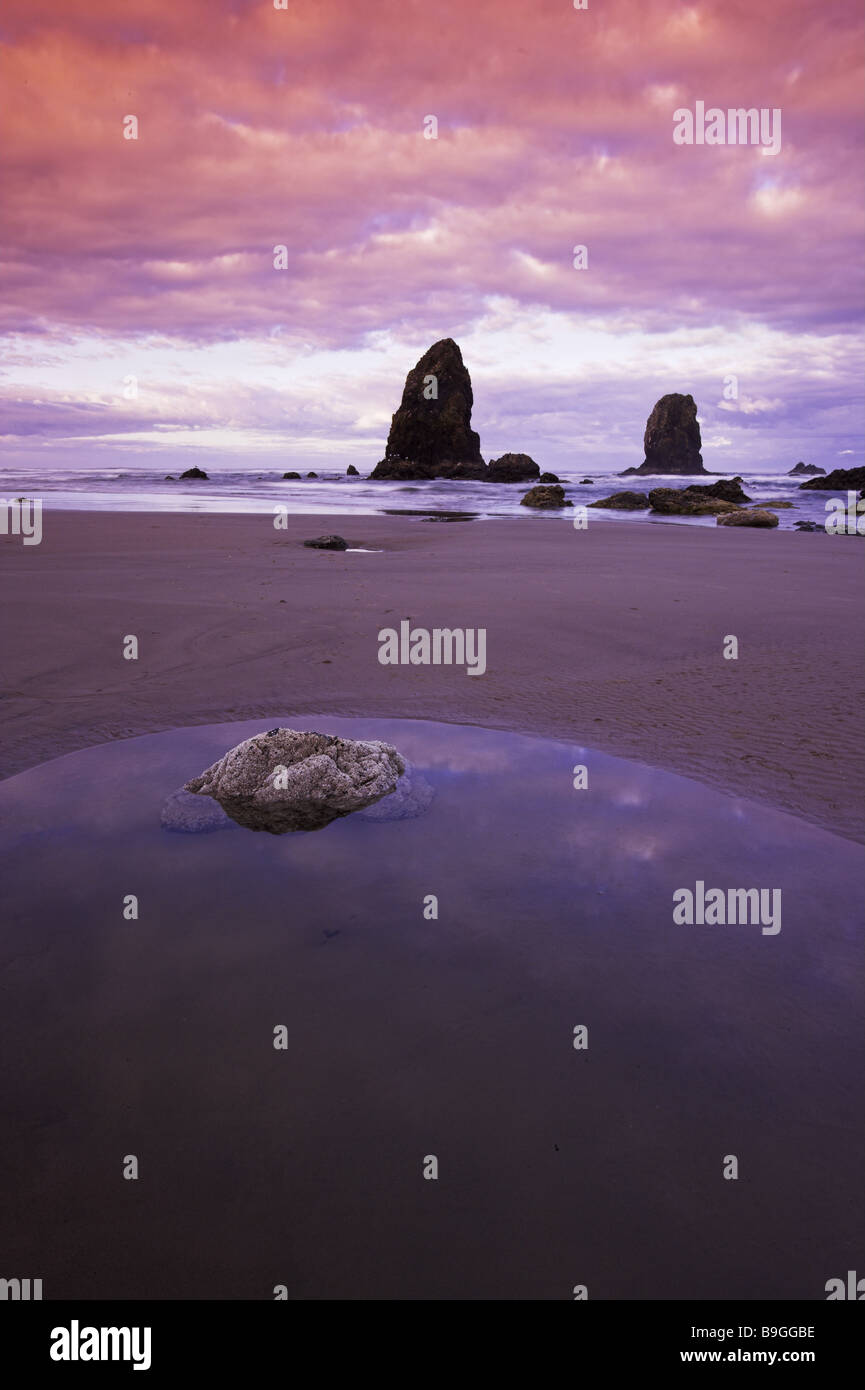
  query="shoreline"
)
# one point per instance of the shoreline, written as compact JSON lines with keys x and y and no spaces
{"x":610,"y":637}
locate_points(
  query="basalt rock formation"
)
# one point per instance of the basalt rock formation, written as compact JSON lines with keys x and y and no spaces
{"x":744,"y":517}
{"x":728,"y":489}
{"x":624,"y":502}
{"x":672,"y":439}
{"x":545,"y":498}
{"x":431,"y":434}
{"x":671,"y":501}
{"x":288,"y":780}
{"x":839,"y":478}
{"x":195,"y":473}
{"x":803,"y":470}
{"x":513,"y":468}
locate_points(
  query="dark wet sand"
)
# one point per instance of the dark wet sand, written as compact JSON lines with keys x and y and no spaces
{"x":612,"y":636}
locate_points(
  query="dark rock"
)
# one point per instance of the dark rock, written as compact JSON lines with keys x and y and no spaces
{"x":809,"y":526}
{"x":312,"y":475}
{"x":514,"y":468}
{"x":291,"y":475}
{"x":591,"y":480}
{"x":296,"y":780}
{"x":431,"y":515}
{"x":672,"y":439}
{"x":671,"y":501}
{"x":802,"y":469}
{"x":327,"y":543}
{"x":351,"y":471}
{"x":549,"y":478}
{"x":624,"y":502}
{"x":545,"y":497}
{"x":433,"y":438}
{"x":195,"y":473}
{"x":839,"y":478}
{"x":744,"y":517}
{"x":170,"y":478}
{"x":728,"y":489}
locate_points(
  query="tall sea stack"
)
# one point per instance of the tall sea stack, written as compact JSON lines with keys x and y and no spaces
{"x":672,"y":439}
{"x":431,"y":434}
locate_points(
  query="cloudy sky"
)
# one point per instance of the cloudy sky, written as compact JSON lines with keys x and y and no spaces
{"x":143,"y":318}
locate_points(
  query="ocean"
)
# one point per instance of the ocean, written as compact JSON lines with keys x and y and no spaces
{"x":144,"y":489}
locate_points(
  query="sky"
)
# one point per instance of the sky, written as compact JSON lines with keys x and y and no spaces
{"x":144,"y":320}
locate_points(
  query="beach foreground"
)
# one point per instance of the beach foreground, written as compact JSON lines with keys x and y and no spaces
{"x":612,"y":636}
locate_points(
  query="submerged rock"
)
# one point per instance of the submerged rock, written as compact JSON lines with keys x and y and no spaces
{"x":431,"y":434}
{"x":195,"y":473}
{"x":623,"y":502}
{"x":591,"y":480}
{"x":809,"y":526}
{"x":549,"y":478}
{"x":291,"y":475}
{"x":515,"y":468}
{"x":287,"y":780}
{"x":327,"y":543}
{"x":743,"y":517}
{"x":839,"y":478}
{"x":192,"y":815}
{"x":545,"y":498}
{"x":672,"y":439}
{"x":802,"y":469}
{"x":412,"y":797}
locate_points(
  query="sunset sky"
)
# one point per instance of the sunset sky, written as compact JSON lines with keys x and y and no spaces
{"x":304,"y":127}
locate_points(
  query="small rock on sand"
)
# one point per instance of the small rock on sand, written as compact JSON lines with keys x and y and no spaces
{"x":327,"y":543}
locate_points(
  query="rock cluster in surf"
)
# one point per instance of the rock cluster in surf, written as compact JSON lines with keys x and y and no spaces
{"x":699,"y":499}
{"x":805,"y":470}
{"x":431,"y":433}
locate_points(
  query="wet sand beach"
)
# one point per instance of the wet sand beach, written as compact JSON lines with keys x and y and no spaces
{"x":612,"y":636}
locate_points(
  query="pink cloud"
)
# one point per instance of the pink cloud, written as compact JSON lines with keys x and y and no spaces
{"x":304,"y":128}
